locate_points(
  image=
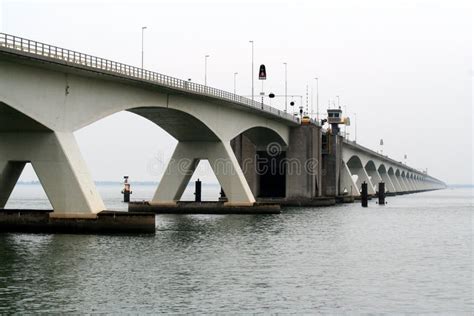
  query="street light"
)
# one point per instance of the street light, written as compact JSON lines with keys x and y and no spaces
{"x":251,"y":42}
{"x":286,"y":87}
{"x":143,"y":31}
{"x":205,"y":69}
{"x":317,"y":98}
{"x":355,"y":126}
{"x":235,"y":81}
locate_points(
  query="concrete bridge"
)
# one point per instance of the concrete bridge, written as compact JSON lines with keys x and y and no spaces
{"x":361,"y":164}
{"x":47,"y":93}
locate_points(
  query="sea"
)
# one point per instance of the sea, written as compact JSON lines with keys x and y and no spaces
{"x":412,"y":255}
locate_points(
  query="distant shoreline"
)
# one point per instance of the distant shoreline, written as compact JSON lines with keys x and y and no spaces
{"x":117,"y":183}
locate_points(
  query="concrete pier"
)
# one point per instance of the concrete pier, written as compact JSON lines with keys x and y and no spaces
{"x":106,"y":222}
{"x":203,"y":208}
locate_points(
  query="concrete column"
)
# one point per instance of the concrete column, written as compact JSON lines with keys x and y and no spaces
{"x":417,"y":184}
{"x":58,"y":163}
{"x":303,"y":157}
{"x":402,"y":183}
{"x":410,"y":183}
{"x":413,"y":183}
{"x":396,"y":183}
{"x":361,"y":177}
{"x":10,"y":171}
{"x":246,"y":153}
{"x":184,"y":162}
{"x":375,"y":177}
{"x":331,"y":166}
{"x":347,"y":183}
{"x":405,"y":182}
{"x":389,"y":186}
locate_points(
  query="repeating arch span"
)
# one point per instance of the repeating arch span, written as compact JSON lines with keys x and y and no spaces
{"x":262,"y":136}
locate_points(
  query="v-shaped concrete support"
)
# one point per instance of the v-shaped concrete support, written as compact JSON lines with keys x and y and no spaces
{"x":347,"y":183}
{"x":61,"y":170}
{"x":10,"y":171}
{"x":184,"y":162}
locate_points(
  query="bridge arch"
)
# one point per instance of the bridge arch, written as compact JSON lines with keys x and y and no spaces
{"x":383,"y":172}
{"x":373,"y":173}
{"x":359,"y":173}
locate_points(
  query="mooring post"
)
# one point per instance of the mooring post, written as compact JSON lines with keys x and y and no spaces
{"x":364,"y":195}
{"x":197,"y":193}
{"x":126,"y":190}
{"x":381,"y":193}
{"x":222,"y":197}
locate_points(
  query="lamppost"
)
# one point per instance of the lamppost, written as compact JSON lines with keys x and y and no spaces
{"x":143,"y":31}
{"x":205,"y":69}
{"x":251,"y":42}
{"x":286,"y":87}
{"x":317,"y":98}
{"x":235,"y":82}
{"x":355,"y":126}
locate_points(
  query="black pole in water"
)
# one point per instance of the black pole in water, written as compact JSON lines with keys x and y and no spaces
{"x":364,"y":195}
{"x":222,"y":197}
{"x":381,"y":193}
{"x":126,"y":190}
{"x":197,"y":193}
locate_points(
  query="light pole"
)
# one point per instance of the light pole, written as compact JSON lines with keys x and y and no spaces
{"x":143,"y":31}
{"x":251,"y":42}
{"x":317,"y":97}
{"x":355,"y":126}
{"x":235,"y":82}
{"x":338,"y":104}
{"x":205,"y":69}
{"x":286,"y":87}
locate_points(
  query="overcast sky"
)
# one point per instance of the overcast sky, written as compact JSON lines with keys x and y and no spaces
{"x":405,"y":68}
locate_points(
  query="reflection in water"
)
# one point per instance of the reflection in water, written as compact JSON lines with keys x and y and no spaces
{"x":412,"y":255}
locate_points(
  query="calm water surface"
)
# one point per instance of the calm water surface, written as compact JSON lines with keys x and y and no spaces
{"x":412,"y":255}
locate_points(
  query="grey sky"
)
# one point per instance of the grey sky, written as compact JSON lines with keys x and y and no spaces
{"x":405,"y":67}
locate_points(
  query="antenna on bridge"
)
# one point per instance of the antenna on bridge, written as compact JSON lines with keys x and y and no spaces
{"x":307,"y":100}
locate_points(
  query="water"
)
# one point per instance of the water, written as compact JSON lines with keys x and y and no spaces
{"x":412,"y":255}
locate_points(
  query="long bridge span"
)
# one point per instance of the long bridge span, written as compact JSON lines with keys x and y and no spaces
{"x":47,"y":93}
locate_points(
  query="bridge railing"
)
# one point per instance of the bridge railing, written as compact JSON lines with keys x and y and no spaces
{"x":73,"y":57}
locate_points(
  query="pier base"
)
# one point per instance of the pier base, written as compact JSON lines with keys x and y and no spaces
{"x":301,"y":201}
{"x":203,"y":208}
{"x":106,"y":222}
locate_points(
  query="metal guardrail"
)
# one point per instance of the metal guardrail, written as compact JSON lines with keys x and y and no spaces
{"x":73,"y":57}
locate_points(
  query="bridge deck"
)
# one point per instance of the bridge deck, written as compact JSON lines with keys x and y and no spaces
{"x":10,"y":44}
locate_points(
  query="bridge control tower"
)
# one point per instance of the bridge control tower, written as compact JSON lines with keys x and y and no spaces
{"x":332,"y":155}
{"x":334,"y":119}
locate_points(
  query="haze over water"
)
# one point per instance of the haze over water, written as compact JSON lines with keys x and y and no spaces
{"x":412,"y":255}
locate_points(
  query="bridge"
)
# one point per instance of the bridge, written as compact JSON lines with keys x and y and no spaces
{"x":47,"y":93}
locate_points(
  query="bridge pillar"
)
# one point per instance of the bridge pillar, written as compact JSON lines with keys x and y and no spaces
{"x":374,"y":176}
{"x":246,"y":154}
{"x":347,"y":183}
{"x":332,"y":165}
{"x":60,"y":168}
{"x":389,"y":186}
{"x":396,"y":183}
{"x":413,"y":184}
{"x":356,"y":168}
{"x":10,"y":171}
{"x":402,"y":183}
{"x":303,"y":163}
{"x":408,"y":184}
{"x":183,"y":163}
{"x":363,"y":176}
